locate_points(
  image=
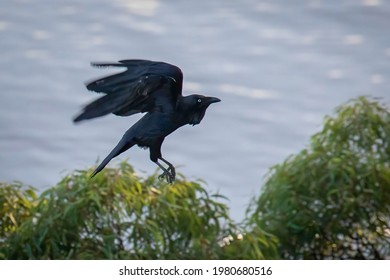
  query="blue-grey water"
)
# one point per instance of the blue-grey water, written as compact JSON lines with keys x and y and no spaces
{"x":279,"y":67}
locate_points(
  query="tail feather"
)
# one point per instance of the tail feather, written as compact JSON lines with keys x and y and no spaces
{"x":123,"y":145}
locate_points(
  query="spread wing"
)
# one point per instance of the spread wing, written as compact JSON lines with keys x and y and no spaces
{"x":144,"y":86}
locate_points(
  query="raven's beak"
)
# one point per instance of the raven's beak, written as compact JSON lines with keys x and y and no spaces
{"x":210,"y":100}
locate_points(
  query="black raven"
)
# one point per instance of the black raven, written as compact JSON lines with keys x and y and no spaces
{"x":146,"y":86}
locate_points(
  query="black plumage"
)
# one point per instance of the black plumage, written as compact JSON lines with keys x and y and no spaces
{"x":151,"y":87}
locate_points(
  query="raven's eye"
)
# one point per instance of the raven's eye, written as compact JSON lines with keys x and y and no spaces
{"x":199,"y":100}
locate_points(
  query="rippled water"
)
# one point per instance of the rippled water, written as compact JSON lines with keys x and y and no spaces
{"x":278,"y":66}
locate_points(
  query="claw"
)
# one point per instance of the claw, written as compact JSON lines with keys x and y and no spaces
{"x":172,"y":171}
{"x":168,"y":176}
{"x":168,"y":173}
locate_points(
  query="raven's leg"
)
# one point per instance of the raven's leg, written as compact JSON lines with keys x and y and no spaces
{"x":166,"y":173}
{"x":171,"y":168}
{"x":155,"y":154}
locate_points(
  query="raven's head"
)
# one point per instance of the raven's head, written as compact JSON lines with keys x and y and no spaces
{"x":196,"y":106}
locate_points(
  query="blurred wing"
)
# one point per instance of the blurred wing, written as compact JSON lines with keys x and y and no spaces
{"x":141,"y":88}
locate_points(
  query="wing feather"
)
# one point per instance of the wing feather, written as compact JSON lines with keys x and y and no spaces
{"x":141,"y":87}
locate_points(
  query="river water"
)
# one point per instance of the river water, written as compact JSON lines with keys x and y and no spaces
{"x":278,"y":66}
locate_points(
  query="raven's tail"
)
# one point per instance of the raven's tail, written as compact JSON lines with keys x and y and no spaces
{"x":124,"y":144}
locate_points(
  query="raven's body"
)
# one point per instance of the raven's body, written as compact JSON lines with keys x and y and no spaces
{"x":152,"y":87}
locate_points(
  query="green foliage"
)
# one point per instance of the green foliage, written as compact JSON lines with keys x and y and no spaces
{"x":118,"y":215}
{"x":332,"y":200}
{"x":15,"y":207}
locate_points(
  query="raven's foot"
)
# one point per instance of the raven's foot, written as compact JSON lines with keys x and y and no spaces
{"x":173,"y":171}
{"x":168,"y":175}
